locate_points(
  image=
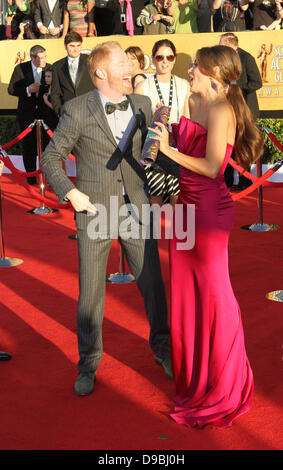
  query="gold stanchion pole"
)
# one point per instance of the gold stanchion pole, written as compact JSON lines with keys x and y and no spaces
{"x":121,"y":277}
{"x":5,"y":262}
{"x":43,"y":209}
{"x":260,"y":226}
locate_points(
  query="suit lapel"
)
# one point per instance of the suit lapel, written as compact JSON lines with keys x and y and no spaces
{"x":65,"y":69}
{"x":47,"y":6}
{"x":28,"y":73}
{"x":96,"y":108}
{"x":80,"y":71}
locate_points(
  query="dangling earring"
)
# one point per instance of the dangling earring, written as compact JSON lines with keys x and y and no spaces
{"x":214,"y":86}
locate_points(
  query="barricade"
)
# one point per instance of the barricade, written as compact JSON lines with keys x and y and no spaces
{"x":48,"y":205}
{"x":5,"y":262}
{"x":258,"y":182}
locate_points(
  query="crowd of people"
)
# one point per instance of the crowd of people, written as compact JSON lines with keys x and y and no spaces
{"x":30,"y":19}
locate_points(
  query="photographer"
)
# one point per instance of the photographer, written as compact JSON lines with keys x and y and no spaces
{"x":157,"y":18}
{"x":267,"y":14}
{"x":19,"y":20}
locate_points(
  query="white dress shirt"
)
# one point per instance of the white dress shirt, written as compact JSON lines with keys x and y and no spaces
{"x":120,"y":123}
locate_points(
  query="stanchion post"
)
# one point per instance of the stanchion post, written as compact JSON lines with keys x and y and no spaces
{"x":121,"y":277}
{"x":260,"y":192}
{"x":260,"y":226}
{"x":4,"y":261}
{"x":43,"y":209}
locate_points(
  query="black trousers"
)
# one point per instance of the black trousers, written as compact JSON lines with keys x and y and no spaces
{"x":29,"y":145}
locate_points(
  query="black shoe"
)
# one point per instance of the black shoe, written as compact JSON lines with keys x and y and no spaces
{"x":31,"y":180}
{"x":4,"y":356}
{"x":236,"y":187}
{"x":85,"y":383}
{"x":165,"y":362}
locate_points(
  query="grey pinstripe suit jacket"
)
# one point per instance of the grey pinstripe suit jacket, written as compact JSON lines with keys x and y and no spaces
{"x":83,"y":129}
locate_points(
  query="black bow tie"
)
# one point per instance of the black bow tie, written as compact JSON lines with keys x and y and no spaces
{"x":111,"y":107}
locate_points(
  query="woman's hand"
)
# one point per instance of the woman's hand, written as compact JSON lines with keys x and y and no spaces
{"x":162,"y":136}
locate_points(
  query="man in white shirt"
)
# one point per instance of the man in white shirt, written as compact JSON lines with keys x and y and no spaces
{"x":48,"y":16}
{"x":106,"y":128}
{"x":28,"y":84}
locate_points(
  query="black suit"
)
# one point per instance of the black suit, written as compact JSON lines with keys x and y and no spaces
{"x":44,"y":15}
{"x":29,"y":109}
{"x":62,"y":88}
{"x":249,"y":82}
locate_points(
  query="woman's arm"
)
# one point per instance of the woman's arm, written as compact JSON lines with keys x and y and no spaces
{"x":218,"y":126}
{"x":279,"y":9}
{"x":139,"y":88}
{"x":66,"y":23}
{"x":91,"y":24}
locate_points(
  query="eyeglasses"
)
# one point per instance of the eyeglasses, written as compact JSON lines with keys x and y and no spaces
{"x":170,"y":58}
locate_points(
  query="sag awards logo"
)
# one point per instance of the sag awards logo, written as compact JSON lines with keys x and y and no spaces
{"x":271,"y":69}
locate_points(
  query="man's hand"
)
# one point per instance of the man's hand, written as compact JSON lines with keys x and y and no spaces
{"x":80,"y":201}
{"x":54,"y":31}
{"x":43,"y":29}
{"x":34,"y":88}
{"x":168,"y":19}
{"x":9,"y":19}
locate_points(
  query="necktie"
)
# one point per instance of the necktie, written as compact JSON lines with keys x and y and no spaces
{"x":111,"y":107}
{"x":73,"y":71}
{"x":37,"y":75}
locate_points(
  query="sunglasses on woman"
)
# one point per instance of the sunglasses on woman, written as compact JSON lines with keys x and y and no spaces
{"x":170,"y":58}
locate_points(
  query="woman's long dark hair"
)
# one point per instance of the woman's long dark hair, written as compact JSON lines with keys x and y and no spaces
{"x":224,"y":64}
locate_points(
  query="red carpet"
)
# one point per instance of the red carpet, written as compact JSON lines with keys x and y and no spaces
{"x":130,"y":405}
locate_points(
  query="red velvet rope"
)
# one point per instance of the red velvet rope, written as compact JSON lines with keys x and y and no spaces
{"x":31,"y":190}
{"x":252,"y":177}
{"x":19,"y":172}
{"x":254,"y":186}
{"x":17,"y":139}
{"x":273,"y":139}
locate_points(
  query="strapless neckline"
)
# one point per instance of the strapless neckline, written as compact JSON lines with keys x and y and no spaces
{"x":203,"y":127}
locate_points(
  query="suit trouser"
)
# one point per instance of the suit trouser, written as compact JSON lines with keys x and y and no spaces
{"x":143,"y":260}
{"x":29,"y":144}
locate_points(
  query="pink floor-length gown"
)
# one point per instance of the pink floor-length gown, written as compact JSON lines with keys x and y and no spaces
{"x":214,"y":380}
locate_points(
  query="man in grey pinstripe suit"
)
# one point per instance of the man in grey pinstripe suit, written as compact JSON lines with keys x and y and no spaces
{"x":106,"y":128}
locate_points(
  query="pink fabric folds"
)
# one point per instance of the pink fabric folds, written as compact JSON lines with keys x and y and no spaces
{"x":129,"y":18}
{"x":213,"y":377}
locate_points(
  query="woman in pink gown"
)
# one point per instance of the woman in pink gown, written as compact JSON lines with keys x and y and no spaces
{"x":214,"y":380}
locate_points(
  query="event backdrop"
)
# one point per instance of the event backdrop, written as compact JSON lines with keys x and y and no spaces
{"x":265,"y":46}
